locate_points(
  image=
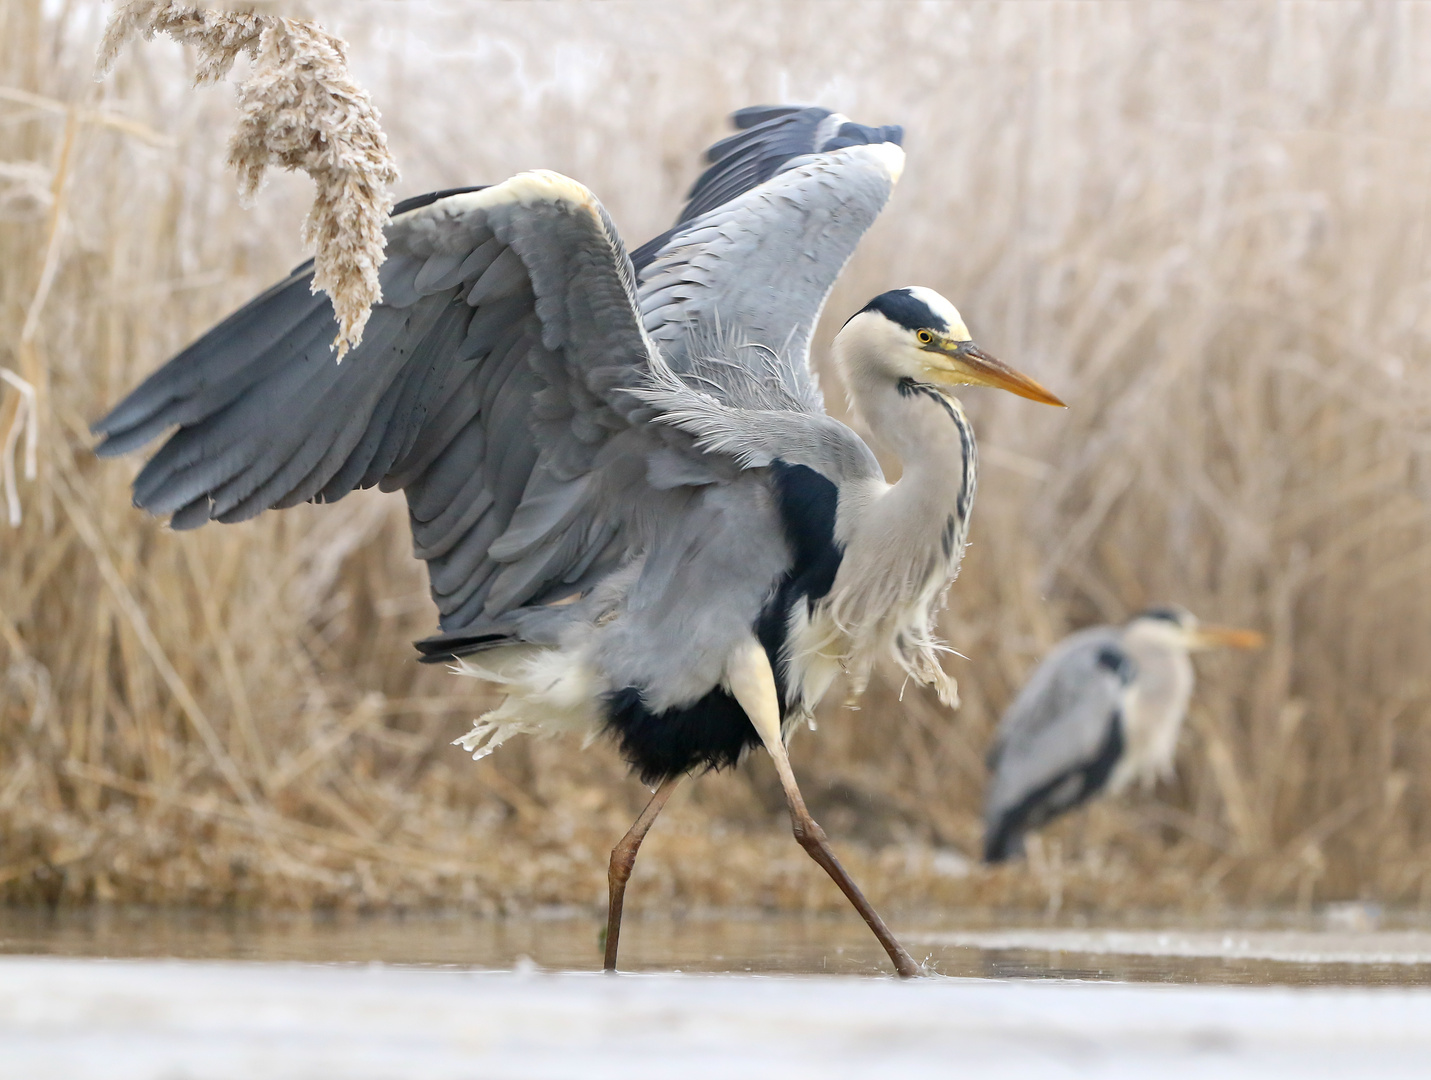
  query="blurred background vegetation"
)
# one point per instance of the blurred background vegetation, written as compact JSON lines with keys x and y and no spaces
{"x":1205,"y":226}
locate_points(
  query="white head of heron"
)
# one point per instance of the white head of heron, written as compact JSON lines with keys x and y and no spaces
{"x":917,"y":335}
{"x":1179,"y":628}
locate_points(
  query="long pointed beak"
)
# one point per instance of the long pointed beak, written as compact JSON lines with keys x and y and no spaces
{"x":1226,"y":637}
{"x":971,"y":365}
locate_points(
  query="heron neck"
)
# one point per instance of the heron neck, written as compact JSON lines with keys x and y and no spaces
{"x":903,"y":544}
{"x":929,"y":433}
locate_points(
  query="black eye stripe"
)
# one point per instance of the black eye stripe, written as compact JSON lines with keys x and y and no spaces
{"x":1166,"y":614}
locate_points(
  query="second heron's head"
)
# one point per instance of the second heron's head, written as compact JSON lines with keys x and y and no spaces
{"x":1179,"y":628}
{"x":915,"y":334}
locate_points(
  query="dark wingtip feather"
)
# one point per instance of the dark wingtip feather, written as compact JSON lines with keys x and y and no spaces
{"x":445,"y":648}
{"x":767,"y":139}
{"x":123,"y":441}
{"x":757,"y":114}
{"x":220,"y":353}
{"x":191,"y":516}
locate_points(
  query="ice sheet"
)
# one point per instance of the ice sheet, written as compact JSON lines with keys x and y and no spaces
{"x":126,"y":1020}
{"x":1287,"y":946}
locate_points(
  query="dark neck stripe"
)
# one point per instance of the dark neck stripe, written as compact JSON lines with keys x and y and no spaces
{"x":909,"y":387}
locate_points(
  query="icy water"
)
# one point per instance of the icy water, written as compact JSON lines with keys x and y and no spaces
{"x":1350,"y":946}
{"x":160,"y":995}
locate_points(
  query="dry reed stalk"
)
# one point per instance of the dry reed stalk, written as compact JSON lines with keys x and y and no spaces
{"x":300,"y":109}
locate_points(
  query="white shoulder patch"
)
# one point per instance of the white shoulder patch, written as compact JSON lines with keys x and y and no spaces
{"x":526,"y":188}
{"x":543,"y":185}
{"x":889,"y":155}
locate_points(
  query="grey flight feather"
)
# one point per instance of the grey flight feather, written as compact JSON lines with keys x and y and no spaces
{"x":494,"y":298}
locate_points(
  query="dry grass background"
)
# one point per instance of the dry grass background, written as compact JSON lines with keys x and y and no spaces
{"x":1206,"y":226}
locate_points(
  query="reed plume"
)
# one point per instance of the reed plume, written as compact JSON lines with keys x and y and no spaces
{"x":299,"y":109}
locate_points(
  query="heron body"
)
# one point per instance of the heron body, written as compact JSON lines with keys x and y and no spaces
{"x":1102,"y":711}
{"x":835,"y":575}
{"x":636,"y":514}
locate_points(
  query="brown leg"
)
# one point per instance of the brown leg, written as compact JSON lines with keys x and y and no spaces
{"x":753,"y":684}
{"x":623,"y":858}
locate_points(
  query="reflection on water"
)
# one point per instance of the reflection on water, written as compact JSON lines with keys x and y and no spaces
{"x":1246,"y":951}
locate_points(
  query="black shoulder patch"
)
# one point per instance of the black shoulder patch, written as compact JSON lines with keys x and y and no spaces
{"x":1118,"y":662}
{"x":903,"y":308}
{"x":807,"y":503}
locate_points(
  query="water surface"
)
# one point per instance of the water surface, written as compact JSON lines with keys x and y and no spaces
{"x":1250,"y":949}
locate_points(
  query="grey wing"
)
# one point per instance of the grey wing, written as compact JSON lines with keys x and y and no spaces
{"x":768,"y":139}
{"x":733,"y":296}
{"x":487,"y":387}
{"x":1061,"y":737}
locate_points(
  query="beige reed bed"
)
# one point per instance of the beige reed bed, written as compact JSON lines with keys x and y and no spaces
{"x":1204,"y":226}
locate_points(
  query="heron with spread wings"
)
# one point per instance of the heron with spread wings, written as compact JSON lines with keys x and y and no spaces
{"x":636,"y":514}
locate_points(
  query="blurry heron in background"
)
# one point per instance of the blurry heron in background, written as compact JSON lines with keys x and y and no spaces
{"x":1103,"y":709}
{"x":637,"y":516}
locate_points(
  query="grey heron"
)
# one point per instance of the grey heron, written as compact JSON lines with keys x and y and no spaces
{"x":1102,"y":711}
{"x":637,"y":516}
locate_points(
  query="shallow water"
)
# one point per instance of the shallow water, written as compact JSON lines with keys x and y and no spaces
{"x":1346,"y":947}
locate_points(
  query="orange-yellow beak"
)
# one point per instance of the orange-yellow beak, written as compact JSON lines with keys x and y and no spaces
{"x":962,"y":363}
{"x":1226,"y":637}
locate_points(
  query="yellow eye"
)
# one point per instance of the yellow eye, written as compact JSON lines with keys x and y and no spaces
{"x":925,"y":337}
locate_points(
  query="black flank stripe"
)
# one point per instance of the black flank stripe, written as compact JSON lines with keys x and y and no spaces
{"x":1061,"y":794}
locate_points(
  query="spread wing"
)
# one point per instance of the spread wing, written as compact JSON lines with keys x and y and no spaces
{"x":487,"y":387}
{"x":768,"y":139}
{"x":493,"y":385}
{"x":1060,"y":739}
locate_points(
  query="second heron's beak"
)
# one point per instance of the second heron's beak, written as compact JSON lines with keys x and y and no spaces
{"x":962,"y":363}
{"x":1225,"y":637}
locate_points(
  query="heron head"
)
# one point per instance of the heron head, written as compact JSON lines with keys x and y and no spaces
{"x":914,"y":333}
{"x":1180,"y":627}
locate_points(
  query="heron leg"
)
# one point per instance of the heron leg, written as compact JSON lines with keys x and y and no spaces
{"x":623,"y":858}
{"x":753,"y":684}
